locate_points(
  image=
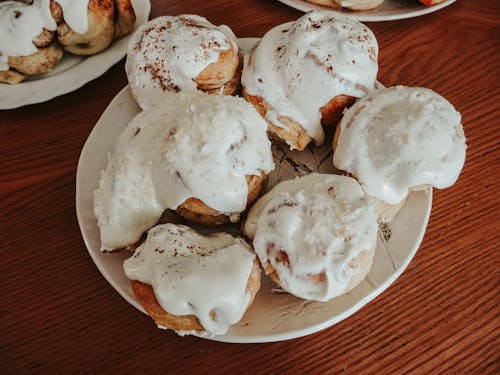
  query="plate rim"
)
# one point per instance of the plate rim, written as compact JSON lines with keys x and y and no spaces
{"x":227,"y":337}
{"x":69,"y":80}
{"x":304,"y":6}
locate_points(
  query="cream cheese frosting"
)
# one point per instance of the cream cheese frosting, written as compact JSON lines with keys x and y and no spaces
{"x":298,"y":67}
{"x":193,"y":274}
{"x":399,"y":138}
{"x":322,"y":223}
{"x":167,"y":53}
{"x":21,"y":23}
{"x":198,"y":145}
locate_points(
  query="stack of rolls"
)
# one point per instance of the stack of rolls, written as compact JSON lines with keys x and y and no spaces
{"x":201,"y":153}
{"x":34,"y":34}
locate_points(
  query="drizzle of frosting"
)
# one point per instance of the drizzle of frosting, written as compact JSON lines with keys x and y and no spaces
{"x":167,"y":53}
{"x":21,"y":23}
{"x":298,"y":67}
{"x":399,"y":138}
{"x":322,"y":223}
{"x":75,"y":14}
{"x":192,"y":274}
{"x":197,"y":145}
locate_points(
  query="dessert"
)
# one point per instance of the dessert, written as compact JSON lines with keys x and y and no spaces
{"x":400,"y":139}
{"x":182,"y":53}
{"x":190,"y":282}
{"x":205,"y":156}
{"x":349,"y":4}
{"x":315,"y":236}
{"x":303,"y":74}
{"x":93,"y":33}
{"x":34,"y":34}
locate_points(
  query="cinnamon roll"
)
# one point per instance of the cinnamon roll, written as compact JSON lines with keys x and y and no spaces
{"x":34,"y":34}
{"x":182,"y":53}
{"x":27,"y":42}
{"x":397,"y":140}
{"x":90,"y":34}
{"x":315,"y":236}
{"x":190,"y":283}
{"x":105,"y":20}
{"x":205,"y":156}
{"x":304,"y":73}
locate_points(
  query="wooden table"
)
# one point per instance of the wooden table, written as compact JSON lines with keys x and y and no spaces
{"x":58,"y":313}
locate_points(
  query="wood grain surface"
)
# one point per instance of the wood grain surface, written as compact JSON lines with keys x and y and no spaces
{"x":58,"y":314}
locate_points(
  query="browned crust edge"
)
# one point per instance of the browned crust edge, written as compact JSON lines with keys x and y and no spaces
{"x":146,"y":296}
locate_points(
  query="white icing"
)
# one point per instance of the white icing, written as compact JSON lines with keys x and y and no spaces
{"x":399,"y":138}
{"x":200,"y":146}
{"x":125,"y":202}
{"x":21,"y":23}
{"x":167,"y":53}
{"x":195,"y":275}
{"x":323,"y":223}
{"x":75,"y":14}
{"x":298,"y":67}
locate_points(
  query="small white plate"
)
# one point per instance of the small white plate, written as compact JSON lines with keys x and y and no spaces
{"x":273,"y":316}
{"x":72,"y":72}
{"x":389,"y":10}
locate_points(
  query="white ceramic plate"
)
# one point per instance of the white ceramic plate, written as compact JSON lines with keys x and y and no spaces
{"x":274,"y":316}
{"x":72,"y":72}
{"x":389,"y":10}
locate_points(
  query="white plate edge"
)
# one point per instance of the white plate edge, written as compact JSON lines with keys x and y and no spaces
{"x":307,"y":7}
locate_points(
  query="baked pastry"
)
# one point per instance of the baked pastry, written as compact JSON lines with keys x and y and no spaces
{"x":125,"y":18}
{"x":349,"y":4}
{"x":182,"y":53}
{"x":303,"y":74}
{"x":205,"y":156}
{"x":27,"y":41}
{"x":90,"y":34}
{"x":34,"y":34}
{"x":400,"y":139}
{"x":315,"y":236}
{"x":189,"y":282}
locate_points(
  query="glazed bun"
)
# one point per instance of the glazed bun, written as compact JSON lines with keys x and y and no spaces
{"x":181,"y":54}
{"x":315,"y":236}
{"x":303,"y":74}
{"x":205,"y":156}
{"x":397,"y":140}
{"x":189,"y":282}
{"x":97,"y":36}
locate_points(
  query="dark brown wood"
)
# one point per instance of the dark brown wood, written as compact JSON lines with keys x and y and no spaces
{"x":57,"y":313}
